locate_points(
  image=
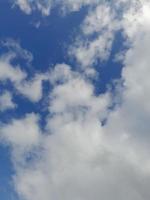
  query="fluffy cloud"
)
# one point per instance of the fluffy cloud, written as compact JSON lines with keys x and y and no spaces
{"x":74,"y":93}
{"x":80,"y":156}
{"x":87,"y":52}
{"x":135,"y":111}
{"x":22,"y":133}
{"x":32,"y":89}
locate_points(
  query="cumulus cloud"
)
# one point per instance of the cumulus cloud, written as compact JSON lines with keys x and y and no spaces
{"x":22,"y":134}
{"x":80,"y":156}
{"x":32,"y":89}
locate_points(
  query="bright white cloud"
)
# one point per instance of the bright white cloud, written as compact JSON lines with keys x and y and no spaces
{"x":32,"y":89}
{"x":73,"y":92}
{"x":23,"y":133}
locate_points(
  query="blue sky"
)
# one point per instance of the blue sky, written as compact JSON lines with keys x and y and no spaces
{"x":73,"y":79}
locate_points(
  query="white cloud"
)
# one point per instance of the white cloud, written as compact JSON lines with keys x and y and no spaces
{"x":6,"y":101}
{"x":97,"y":36}
{"x":82,"y":159}
{"x":7,"y":71}
{"x":61,"y":72}
{"x":72,"y":91}
{"x":24,"y":5}
{"x":30,"y":88}
{"x":88,"y":52}
{"x":135,"y":111}
{"x":15,"y":48}
{"x":98,"y":19}
{"x":23,"y":133}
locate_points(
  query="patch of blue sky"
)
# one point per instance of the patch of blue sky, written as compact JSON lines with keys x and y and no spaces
{"x":110,"y":69}
{"x":46,"y":42}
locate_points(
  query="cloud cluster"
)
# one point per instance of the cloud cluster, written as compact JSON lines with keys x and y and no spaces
{"x":19,"y":77}
{"x":80,"y":157}
{"x":97,"y":36}
{"x":45,"y":6}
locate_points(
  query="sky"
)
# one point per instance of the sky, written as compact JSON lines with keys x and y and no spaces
{"x":74,"y":99}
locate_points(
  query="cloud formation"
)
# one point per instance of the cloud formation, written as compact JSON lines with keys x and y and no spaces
{"x":79,"y":157}
{"x":19,"y":78}
{"x":45,"y":6}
